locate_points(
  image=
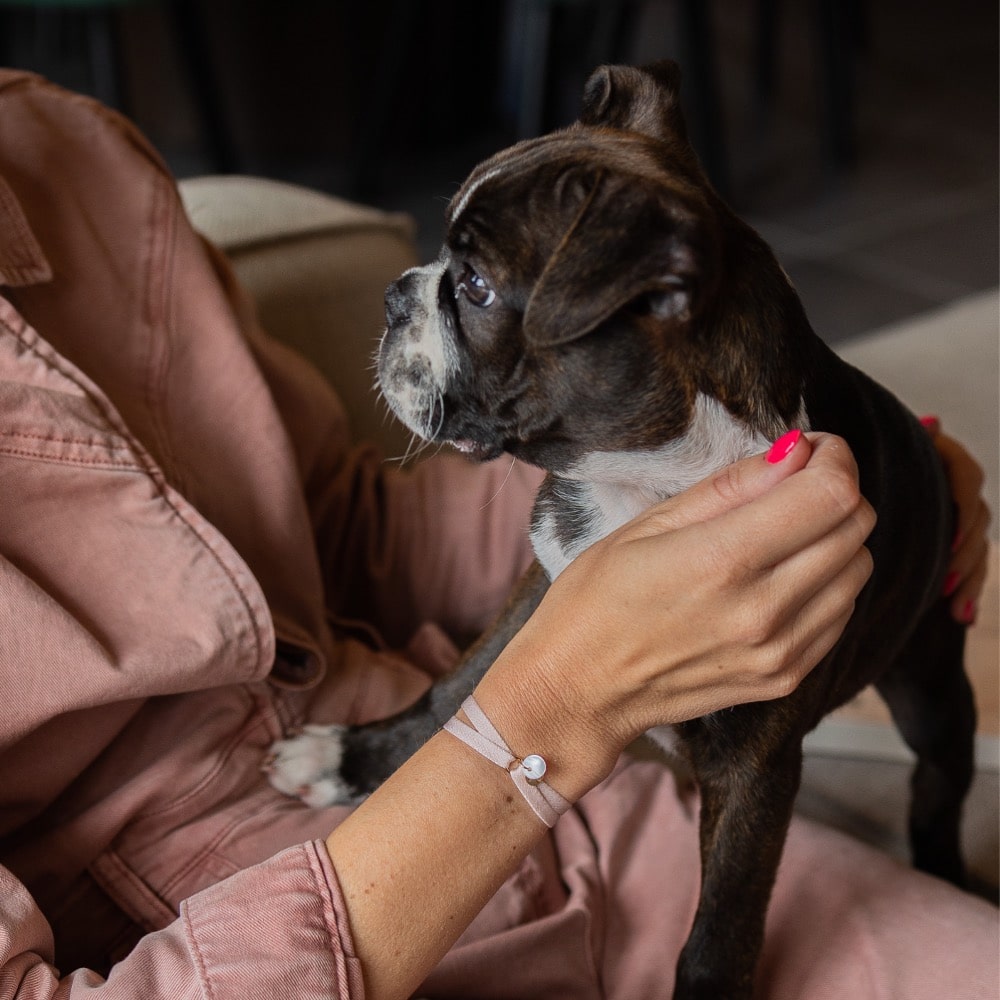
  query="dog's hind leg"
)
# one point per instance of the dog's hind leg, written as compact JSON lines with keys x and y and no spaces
{"x":328,"y":764}
{"x":932,"y":704}
{"x":747,"y":795}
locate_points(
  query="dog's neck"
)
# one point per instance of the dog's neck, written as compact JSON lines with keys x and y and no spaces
{"x":605,"y":489}
{"x":753,"y":348}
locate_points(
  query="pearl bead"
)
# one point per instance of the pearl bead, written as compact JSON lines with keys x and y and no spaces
{"x":534,"y":767}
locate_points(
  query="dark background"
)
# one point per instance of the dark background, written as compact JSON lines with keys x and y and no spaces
{"x":859,"y":137}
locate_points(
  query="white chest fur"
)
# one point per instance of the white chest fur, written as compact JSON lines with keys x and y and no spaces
{"x":607,"y":489}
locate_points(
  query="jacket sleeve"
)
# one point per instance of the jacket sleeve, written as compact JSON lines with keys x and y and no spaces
{"x":443,"y":542}
{"x":277,"y":929}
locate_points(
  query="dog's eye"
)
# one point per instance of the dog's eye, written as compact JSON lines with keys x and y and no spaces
{"x":474,"y":288}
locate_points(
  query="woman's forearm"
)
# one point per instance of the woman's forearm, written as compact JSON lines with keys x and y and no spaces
{"x":423,"y":855}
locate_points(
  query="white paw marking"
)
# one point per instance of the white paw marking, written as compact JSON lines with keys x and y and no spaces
{"x":307,"y":767}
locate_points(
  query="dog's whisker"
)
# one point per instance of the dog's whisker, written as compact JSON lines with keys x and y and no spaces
{"x":499,"y":490}
{"x":438,"y":408}
{"x":412,"y":449}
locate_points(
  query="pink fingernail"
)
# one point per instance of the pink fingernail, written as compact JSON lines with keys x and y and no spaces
{"x":930,"y":422}
{"x":969,"y":613}
{"x":950,"y":583}
{"x":783,"y":446}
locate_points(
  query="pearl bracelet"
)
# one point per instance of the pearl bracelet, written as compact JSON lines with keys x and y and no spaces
{"x":526,"y":772}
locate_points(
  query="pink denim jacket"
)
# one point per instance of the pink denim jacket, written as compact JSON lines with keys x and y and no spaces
{"x":181,"y":518}
{"x":194,"y":558}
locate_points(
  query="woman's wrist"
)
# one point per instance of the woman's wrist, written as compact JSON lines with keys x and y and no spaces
{"x":437,"y":839}
{"x":536,"y":713}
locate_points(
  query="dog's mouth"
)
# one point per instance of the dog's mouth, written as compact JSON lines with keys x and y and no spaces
{"x":476,"y":450}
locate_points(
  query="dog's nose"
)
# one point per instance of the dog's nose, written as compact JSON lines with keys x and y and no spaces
{"x":418,"y":372}
{"x":396,"y":299}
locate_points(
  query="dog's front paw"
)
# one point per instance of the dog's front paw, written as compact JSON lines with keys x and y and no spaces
{"x":307,"y":766}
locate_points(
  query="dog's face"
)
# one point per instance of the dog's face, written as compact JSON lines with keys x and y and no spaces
{"x":574,"y":271}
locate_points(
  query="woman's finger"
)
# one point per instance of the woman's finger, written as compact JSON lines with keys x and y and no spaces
{"x":794,"y":515}
{"x":967,"y":567}
{"x":971,"y":575}
{"x":966,"y":477}
{"x":832,"y":602}
{"x":759,"y":667}
{"x":810,"y":569}
{"x":733,"y":486}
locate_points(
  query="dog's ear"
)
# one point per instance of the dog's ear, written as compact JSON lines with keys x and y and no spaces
{"x":629,"y":242}
{"x":636,"y":99}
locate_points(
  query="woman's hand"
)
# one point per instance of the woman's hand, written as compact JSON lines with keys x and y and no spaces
{"x":730,"y":592}
{"x":967,"y":570}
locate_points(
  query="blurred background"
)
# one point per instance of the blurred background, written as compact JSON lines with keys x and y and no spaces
{"x":859,"y":136}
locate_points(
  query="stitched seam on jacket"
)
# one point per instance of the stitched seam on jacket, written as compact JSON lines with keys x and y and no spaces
{"x":146,"y":465}
{"x":238,"y":738}
{"x":41,"y":456}
{"x":24,"y":444}
{"x":156,"y":303}
{"x":325,"y":891}
{"x":62,"y":439}
{"x":199,"y":960}
{"x":109,"y":871}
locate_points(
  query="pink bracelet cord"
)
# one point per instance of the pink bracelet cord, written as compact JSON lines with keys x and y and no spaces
{"x":526,"y":773}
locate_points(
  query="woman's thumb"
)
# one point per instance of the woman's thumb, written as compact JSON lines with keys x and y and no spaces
{"x":735,"y":485}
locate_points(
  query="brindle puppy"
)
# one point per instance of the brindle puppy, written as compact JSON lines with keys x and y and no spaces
{"x":599,"y":312}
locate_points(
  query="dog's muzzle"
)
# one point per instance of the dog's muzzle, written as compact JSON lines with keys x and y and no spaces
{"x":416,"y":354}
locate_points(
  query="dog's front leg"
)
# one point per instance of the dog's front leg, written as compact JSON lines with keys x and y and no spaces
{"x":747,"y":796}
{"x":324,"y":765}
